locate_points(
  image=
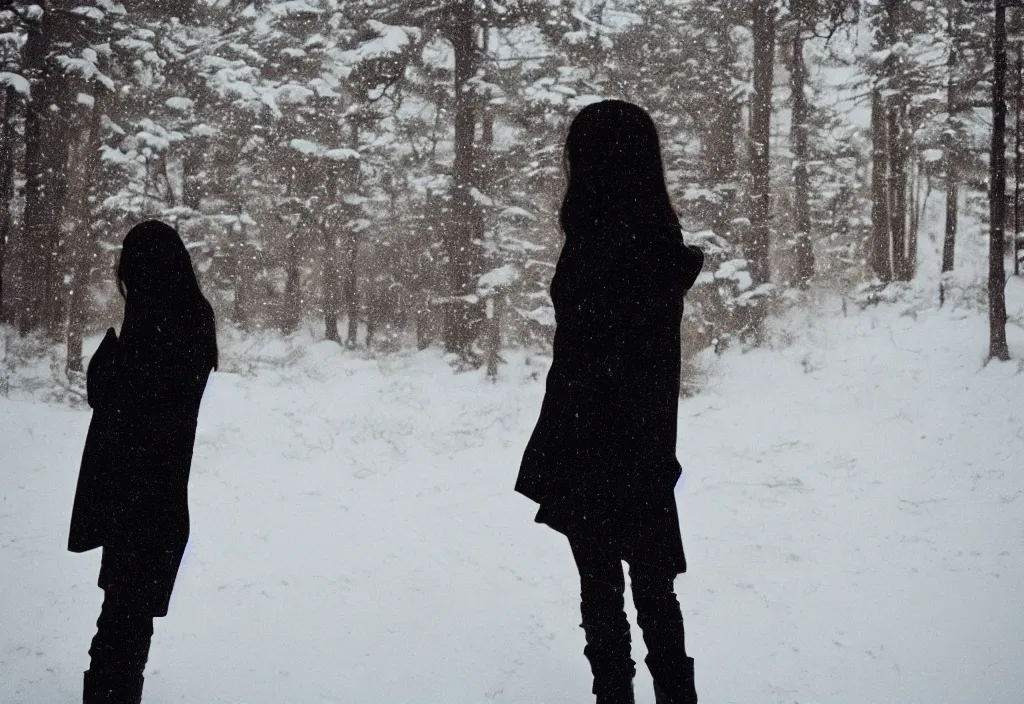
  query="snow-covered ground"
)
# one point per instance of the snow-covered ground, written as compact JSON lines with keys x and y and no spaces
{"x":852,"y":509}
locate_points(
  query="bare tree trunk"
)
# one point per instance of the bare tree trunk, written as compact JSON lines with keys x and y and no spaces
{"x":353,"y":179}
{"x":997,"y":194}
{"x":952,"y":212}
{"x":7,"y":155}
{"x":889,"y":157}
{"x":881,"y":265}
{"x":1018,"y":167}
{"x":243,"y":272}
{"x":371,"y":320}
{"x":373,"y":313}
{"x":898,"y":143}
{"x":329,"y":274}
{"x":492,"y":306}
{"x":493,"y":312}
{"x":951,"y":158}
{"x":760,"y":141}
{"x":83,"y":161}
{"x":898,"y":189}
{"x":913,"y":204}
{"x":40,"y":208}
{"x":10,"y":60}
{"x":462,"y":317}
{"x":292,"y":292}
{"x":801,"y":179}
{"x":330,"y":284}
{"x":299,"y":219}
{"x":917,"y":214}
{"x":351,"y":290}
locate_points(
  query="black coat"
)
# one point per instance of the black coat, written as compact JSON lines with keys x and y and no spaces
{"x":132,"y":494}
{"x":91,"y":510}
{"x":601,"y":459}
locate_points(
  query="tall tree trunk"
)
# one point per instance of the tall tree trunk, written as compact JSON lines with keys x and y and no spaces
{"x":889,"y":156}
{"x":329,"y":274}
{"x":297,"y":219}
{"x":917,"y":214}
{"x":913,"y":201}
{"x":461,"y":317}
{"x":898,"y":189}
{"x":997,"y":193}
{"x":7,"y":155}
{"x":898,"y":140}
{"x":804,"y":249}
{"x":374,"y":309}
{"x":352,"y":289}
{"x":493,"y":313}
{"x":952,"y":213}
{"x":330,"y":283}
{"x":10,"y":61}
{"x":492,"y":307}
{"x":243,"y":271}
{"x":1018,"y":167}
{"x":292,"y":293}
{"x":881,"y":262}
{"x":353,"y":178}
{"x":40,"y":208}
{"x":83,"y":161}
{"x":949,"y":154}
{"x":760,"y":141}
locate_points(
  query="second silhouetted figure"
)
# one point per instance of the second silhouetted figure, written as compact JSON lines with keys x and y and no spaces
{"x":132,"y":497}
{"x":601,"y":462}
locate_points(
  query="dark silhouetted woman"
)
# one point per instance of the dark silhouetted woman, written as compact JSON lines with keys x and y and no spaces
{"x":601,"y":462}
{"x":132,"y":494}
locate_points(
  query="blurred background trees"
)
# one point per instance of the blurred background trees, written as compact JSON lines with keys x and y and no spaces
{"x":392,"y":170}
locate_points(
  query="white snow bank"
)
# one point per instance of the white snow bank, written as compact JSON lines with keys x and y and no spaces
{"x":851,"y":509}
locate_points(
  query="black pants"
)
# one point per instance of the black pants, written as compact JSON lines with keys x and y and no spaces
{"x":124,"y":632}
{"x":602,"y":589}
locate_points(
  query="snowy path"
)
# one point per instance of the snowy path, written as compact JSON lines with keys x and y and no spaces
{"x":852,"y":509}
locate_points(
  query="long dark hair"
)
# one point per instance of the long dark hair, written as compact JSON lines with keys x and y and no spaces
{"x":155,"y":275}
{"x":612,"y":157}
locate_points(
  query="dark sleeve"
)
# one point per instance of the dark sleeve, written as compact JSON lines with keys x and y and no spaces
{"x":99,"y":377}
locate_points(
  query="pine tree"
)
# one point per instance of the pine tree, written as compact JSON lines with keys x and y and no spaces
{"x":998,"y":348}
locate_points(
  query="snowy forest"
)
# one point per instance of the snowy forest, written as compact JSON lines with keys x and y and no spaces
{"x":370,"y":189}
{"x":393,"y":169}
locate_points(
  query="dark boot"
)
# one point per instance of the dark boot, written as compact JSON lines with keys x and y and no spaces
{"x":661,"y":621}
{"x":111,"y":689}
{"x":620,"y":695}
{"x":118,"y":653}
{"x":683,"y":686}
{"x":609,"y":654}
